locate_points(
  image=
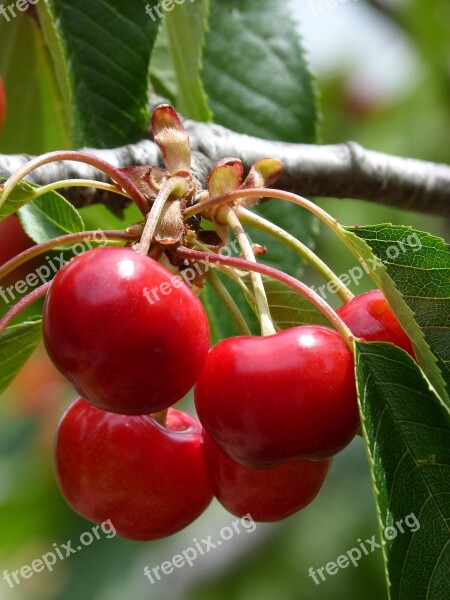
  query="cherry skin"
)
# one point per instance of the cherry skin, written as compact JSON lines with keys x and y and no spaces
{"x":266,"y":494}
{"x":148,"y":479}
{"x":14,"y":240}
{"x":265,"y":400}
{"x":370,"y":318}
{"x":123,"y":351}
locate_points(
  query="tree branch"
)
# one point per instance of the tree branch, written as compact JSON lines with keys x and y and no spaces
{"x":339,"y":171}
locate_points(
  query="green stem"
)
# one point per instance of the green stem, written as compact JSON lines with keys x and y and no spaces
{"x":229,"y":303}
{"x":175,"y":186}
{"x":72,"y":155}
{"x":248,"y":218}
{"x":160,"y":417}
{"x":64,"y":240}
{"x":257,"y":194}
{"x":228,"y":271}
{"x":295,"y":284}
{"x":65,"y":183}
{"x":22,"y":305}
{"x":267,"y":326}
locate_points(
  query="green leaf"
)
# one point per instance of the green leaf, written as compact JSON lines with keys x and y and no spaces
{"x":21,"y":195}
{"x":413,"y":271}
{"x":185,"y":26}
{"x":162,"y":73}
{"x":16,"y":346}
{"x":407,"y":433}
{"x":255,"y":73}
{"x":221,"y":323}
{"x":101,"y":53}
{"x":18,"y":197}
{"x":287,"y":307}
{"x":45,"y":218}
{"x":32,"y":94}
{"x":50,"y":216}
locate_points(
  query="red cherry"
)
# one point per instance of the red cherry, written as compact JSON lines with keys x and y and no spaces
{"x":265,"y":400}
{"x":370,"y":318}
{"x":122,"y":351}
{"x":13,"y":238}
{"x":13,"y":241}
{"x":266,"y":494}
{"x":2,"y":103}
{"x":148,"y":479}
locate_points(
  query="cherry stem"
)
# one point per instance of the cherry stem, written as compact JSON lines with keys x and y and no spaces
{"x":72,"y":155}
{"x":295,"y":284}
{"x":65,"y":183}
{"x":257,"y":194}
{"x":228,"y":271}
{"x":267,"y":327}
{"x":64,"y":240}
{"x":228,"y":301}
{"x":175,"y":186}
{"x":160,"y":417}
{"x":248,"y":218}
{"x":22,"y":305}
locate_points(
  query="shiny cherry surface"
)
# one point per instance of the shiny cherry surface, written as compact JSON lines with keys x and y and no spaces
{"x":148,"y":479}
{"x":120,"y":347}
{"x":266,"y":494}
{"x":370,"y":318}
{"x":265,"y":400}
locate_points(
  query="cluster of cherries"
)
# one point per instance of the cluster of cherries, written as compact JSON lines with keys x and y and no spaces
{"x":273,"y":410}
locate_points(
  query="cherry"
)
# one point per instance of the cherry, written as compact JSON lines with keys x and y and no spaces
{"x":370,"y":318}
{"x":13,"y":239}
{"x":265,"y":400}
{"x":124,"y":351}
{"x":149,"y":479}
{"x":267,"y":494}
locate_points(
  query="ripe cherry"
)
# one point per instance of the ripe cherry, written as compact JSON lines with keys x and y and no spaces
{"x":149,"y":479}
{"x":124,"y":351}
{"x":13,"y":239}
{"x":370,"y":318}
{"x":265,"y":400}
{"x":267,"y":494}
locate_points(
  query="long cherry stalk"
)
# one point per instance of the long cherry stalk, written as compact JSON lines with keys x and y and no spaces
{"x":228,"y":271}
{"x":254,"y":195}
{"x":295,"y":284}
{"x":228,"y":302}
{"x":72,"y":155}
{"x":22,"y":305}
{"x":249,"y":218}
{"x":267,"y":326}
{"x":66,"y":183}
{"x":257,"y":194}
{"x":64,"y":240}
{"x":176,"y":186}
